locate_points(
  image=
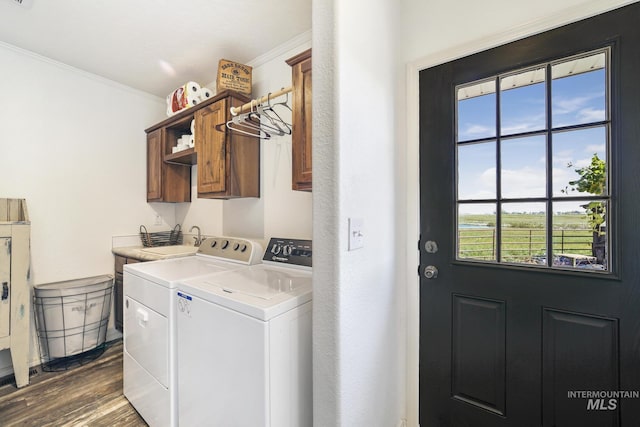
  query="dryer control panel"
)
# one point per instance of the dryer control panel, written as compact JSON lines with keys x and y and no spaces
{"x":231,"y":249}
{"x":289,"y":251}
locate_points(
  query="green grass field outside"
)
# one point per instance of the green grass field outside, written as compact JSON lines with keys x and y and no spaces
{"x":523,"y":236}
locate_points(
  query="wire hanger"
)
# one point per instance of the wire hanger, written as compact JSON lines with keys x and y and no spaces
{"x":247,"y":125}
{"x":262,"y":120}
{"x":274,"y":117}
{"x":266,"y":123}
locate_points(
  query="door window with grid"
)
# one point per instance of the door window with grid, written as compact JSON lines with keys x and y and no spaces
{"x":532,"y":153}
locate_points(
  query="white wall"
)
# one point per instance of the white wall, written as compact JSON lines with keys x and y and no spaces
{"x":287,"y":213}
{"x":433,"y":33}
{"x":73,"y":146}
{"x":359,"y":342}
{"x":205,"y":213}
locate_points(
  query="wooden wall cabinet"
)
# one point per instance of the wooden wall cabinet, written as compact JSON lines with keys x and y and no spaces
{"x":301,"y":137}
{"x":166,"y":182}
{"x":228,"y":162}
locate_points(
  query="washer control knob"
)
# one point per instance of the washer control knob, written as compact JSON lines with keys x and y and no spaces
{"x":286,"y":250}
{"x":243,"y":248}
{"x":276,"y":248}
{"x":236,"y":246}
{"x":225,"y":244}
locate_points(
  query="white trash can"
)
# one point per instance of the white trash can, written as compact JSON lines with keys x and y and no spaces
{"x":71,"y":320}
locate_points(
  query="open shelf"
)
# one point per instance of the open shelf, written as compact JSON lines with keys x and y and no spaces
{"x":184,"y":157}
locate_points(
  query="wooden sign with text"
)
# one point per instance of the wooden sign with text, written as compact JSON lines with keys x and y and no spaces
{"x":233,"y":76}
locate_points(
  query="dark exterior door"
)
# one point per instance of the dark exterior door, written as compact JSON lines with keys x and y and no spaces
{"x":529,"y":247}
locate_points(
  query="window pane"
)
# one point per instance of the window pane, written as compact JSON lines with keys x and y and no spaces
{"x":579,"y":235}
{"x":522,"y":102}
{"x":579,"y":91}
{"x":580,"y":162}
{"x":476,"y":111}
{"x":477,"y":171}
{"x":524,"y":238}
{"x":523,"y":171}
{"x":477,"y":231}
{"x":552,"y":207}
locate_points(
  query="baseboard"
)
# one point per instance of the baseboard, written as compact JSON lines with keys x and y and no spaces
{"x":113,"y":334}
{"x":7,"y":371}
{"x":11,"y":379}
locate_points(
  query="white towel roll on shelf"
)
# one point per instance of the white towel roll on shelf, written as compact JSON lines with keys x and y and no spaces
{"x":183,"y":97}
{"x":205,"y":93}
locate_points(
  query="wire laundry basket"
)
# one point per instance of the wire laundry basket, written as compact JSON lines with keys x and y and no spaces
{"x":161,"y":238}
{"x":71,"y":320}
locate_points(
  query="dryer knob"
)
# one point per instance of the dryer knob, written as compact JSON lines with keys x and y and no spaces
{"x":225,"y":244}
{"x":236,"y":246}
{"x":243,"y":248}
{"x":275,"y":249}
{"x":286,"y":251}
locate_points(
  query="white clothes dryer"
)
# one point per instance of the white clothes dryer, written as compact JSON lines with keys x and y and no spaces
{"x":149,"y":321}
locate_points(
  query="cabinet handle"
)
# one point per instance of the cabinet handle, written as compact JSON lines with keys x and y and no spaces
{"x":5,"y":290}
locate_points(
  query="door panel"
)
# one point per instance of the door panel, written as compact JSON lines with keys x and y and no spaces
{"x":146,"y":340}
{"x":210,"y":144}
{"x":154,"y":166}
{"x":572,"y":344}
{"x":478,"y":341}
{"x":512,"y":343}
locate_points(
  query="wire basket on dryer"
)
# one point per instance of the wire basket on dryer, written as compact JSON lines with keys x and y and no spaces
{"x":161,"y":238}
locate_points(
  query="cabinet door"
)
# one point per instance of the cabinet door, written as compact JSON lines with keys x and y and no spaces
{"x":118,"y":296}
{"x":301,"y":138}
{"x":165,"y":182}
{"x":120,"y":261}
{"x":211,"y":148}
{"x":5,"y":286}
{"x":154,"y":166}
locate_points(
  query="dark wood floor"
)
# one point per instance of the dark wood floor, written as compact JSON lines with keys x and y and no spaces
{"x":89,"y":395}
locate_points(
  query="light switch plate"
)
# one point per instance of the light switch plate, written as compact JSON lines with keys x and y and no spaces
{"x":356,"y":233}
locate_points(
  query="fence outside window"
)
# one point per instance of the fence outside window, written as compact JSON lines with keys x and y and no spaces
{"x":522,"y":245}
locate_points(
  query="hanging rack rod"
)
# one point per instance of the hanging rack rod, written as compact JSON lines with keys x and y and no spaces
{"x":249,"y":105}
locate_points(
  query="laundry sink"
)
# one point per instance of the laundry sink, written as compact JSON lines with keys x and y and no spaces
{"x":172,"y":250}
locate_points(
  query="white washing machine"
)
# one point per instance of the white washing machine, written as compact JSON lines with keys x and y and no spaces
{"x":149,"y":321}
{"x":244,"y":343}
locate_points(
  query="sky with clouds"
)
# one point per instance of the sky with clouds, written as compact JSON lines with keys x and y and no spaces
{"x":576,"y":99}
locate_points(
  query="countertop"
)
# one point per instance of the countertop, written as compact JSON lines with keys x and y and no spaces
{"x":155,"y":253}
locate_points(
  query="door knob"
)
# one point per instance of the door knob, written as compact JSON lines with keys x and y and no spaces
{"x":430,"y":272}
